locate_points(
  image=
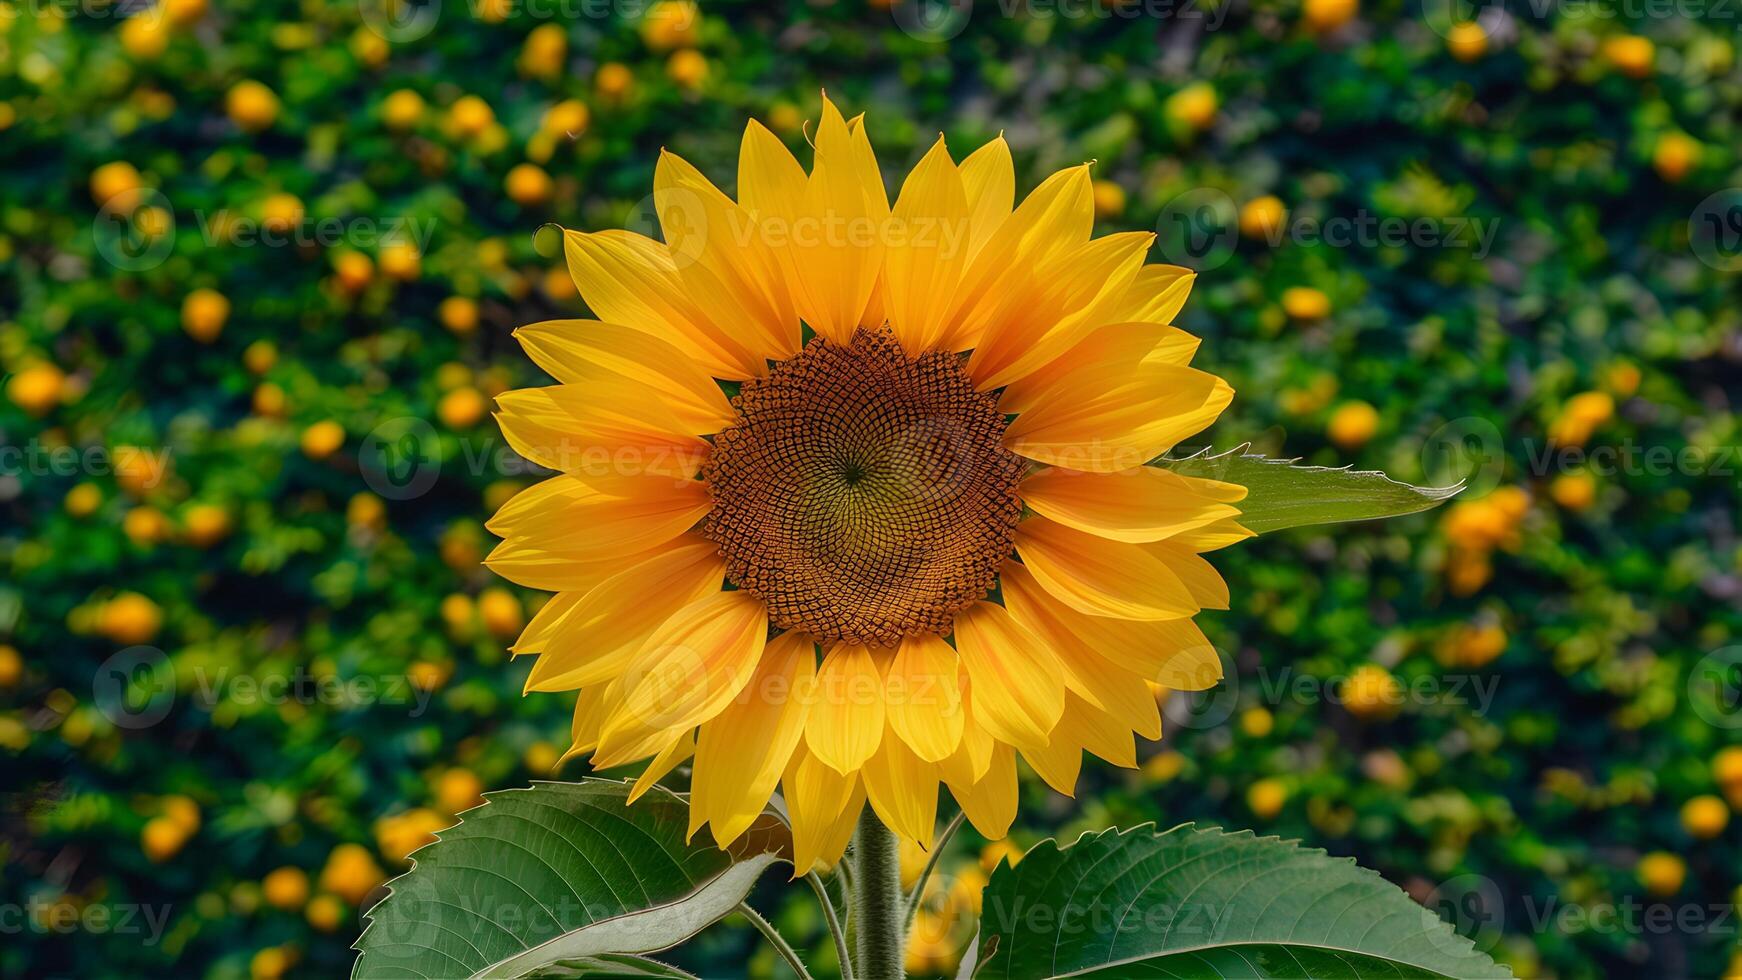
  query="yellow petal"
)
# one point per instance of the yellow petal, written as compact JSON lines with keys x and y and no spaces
{"x":1156,"y":295}
{"x":1018,"y":686}
{"x":846,"y":722}
{"x":1103,"y":420}
{"x":590,"y":710}
{"x":770,"y":180}
{"x":1115,"y":688}
{"x":926,"y":251}
{"x":727,"y":269}
{"x":990,"y":802}
{"x":989,"y":181}
{"x":527,"y":562}
{"x":743,"y":750}
{"x":838,"y":243}
{"x":1058,"y":763}
{"x":823,"y":805}
{"x":1101,"y":577}
{"x":608,"y":626}
{"x":1173,"y":652}
{"x":1117,"y":347}
{"x":1142,"y":504}
{"x":681,"y":748}
{"x":903,"y":789}
{"x":545,"y":623}
{"x":631,"y":279}
{"x":973,"y":754}
{"x":1099,"y":732}
{"x":688,"y":669}
{"x":924,"y":698}
{"x":603,"y":517}
{"x":1055,"y":218}
{"x":573,"y":429}
{"x":588,"y":352}
{"x":1200,"y":577}
{"x":1213,"y":536}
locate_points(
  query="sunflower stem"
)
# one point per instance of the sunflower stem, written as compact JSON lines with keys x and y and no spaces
{"x":879,"y":927}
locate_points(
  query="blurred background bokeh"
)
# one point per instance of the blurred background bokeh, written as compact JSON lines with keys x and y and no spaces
{"x":259,"y":265}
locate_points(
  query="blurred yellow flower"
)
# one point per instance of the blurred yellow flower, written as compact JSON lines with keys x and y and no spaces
{"x":203,"y":313}
{"x":671,"y":24}
{"x":501,"y":612}
{"x":145,"y":526}
{"x":1467,"y":40}
{"x":401,"y":261}
{"x":1580,"y":418}
{"x":459,"y":314}
{"x":457,"y":790}
{"x":402,"y":110}
{"x":351,"y":873}
{"x":251,"y":105}
{"x":145,"y":35}
{"x":1305,"y":303}
{"x":83,"y":500}
{"x":1675,"y":153}
{"x":1193,"y":106}
{"x":687,"y":67}
{"x":613,"y":81}
{"x":528,"y":185}
{"x":206,"y":524}
{"x":470,"y":116}
{"x":117,"y":183}
{"x":37,"y":388}
{"x":1370,"y":693}
{"x":567,"y":118}
{"x":1266,"y":797}
{"x":162,"y":839}
{"x":129,"y":619}
{"x":1324,"y":16}
{"x":353,"y":270}
{"x":322,"y":439}
{"x":461,"y":408}
{"x":1632,"y":55}
{"x":11,"y":665}
{"x":1705,"y":817}
{"x":1352,"y":425}
{"x":543,"y":53}
{"x":1109,"y":199}
{"x":399,"y":834}
{"x":1261,"y":219}
{"x":1574,"y":491}
{"x":1662,"y":873}
{"x":325,"y":913}
{"x":281,"y":212}
{"x":285,"y":888}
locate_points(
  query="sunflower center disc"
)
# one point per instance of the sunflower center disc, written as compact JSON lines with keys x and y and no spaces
{"x":863,"y":495}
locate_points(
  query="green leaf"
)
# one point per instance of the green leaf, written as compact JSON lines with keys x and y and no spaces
{"x":617,"y":966}
{"x":1280,"y":493}
{"x":560,"y":872}
{"x":1197,"y":902}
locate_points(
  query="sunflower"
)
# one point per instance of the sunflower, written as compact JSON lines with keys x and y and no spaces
{"x":852,"y":498}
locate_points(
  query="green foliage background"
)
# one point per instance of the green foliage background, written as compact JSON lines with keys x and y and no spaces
{"x":1616,"y":615}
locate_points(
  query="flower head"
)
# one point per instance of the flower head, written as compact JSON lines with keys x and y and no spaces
{"x":853,"y":497}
